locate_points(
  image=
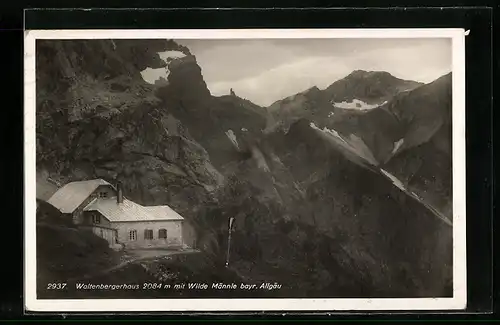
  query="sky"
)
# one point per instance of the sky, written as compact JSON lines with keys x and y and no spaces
{"x":268,"y":70}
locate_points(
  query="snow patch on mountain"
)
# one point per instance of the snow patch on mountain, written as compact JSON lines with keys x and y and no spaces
{"x":170,"y":55}
{"x":152,"y":75}
{"x":329,"y":131}
{"x":356,"y":104}
{"x":232,"y":137}
{"x":394,"y":180}
{"x":353,"y":143}
{"x":397,"y":145}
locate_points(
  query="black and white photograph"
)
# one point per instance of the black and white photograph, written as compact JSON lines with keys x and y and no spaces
{"x":245,"y":170}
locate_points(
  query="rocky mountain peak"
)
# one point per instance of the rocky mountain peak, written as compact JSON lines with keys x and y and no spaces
{"x":371,"y":87}
{"x":366,"y":74}
{"x":313,"y":89}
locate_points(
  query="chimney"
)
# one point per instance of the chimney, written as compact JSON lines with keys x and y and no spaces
{"x":119,"y":193}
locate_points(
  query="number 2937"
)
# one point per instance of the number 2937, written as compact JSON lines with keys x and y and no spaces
{"x":56,"y":286}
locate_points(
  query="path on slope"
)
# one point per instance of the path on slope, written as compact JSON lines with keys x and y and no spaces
{"x":135,"y":256}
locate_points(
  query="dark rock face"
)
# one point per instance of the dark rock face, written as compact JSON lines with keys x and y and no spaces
{"x":413,"y":124}
{"x":424,"y":160}
{"x":373,"y":222}
{"x":88,"y":128}
{"x":430,"y":178}
{"x":307,"y":215}
{"x":306,"y":211}
{"x":423,"y":111}
{"x":210,"y":119}
{"x":424,"y":129}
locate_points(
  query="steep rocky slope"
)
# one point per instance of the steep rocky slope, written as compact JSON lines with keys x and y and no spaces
{"x":304,"y":210}
{"x":353,"y":201}
{"x":311,"y":103}
{"x":421,"y":143}
{"x":309,"y":214}
{"x":405,"y":124}
{"x":96,"y":117}
{"x":427,"y":169}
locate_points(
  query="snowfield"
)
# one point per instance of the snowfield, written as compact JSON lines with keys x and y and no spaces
{"x":329,"y":131}
{"x":353,"y":143}
{"x":394,"y":180}
{"x":171,"y":55}
{"x":232,"y":137}
{"x":356,"y":104}
{"x":152,"y":75}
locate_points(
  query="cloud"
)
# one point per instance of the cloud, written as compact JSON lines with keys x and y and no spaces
{"x":284,"y":80}
{"x":264,"y":71}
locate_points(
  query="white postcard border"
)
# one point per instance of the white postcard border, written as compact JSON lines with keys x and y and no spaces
{"x":457,"y":302}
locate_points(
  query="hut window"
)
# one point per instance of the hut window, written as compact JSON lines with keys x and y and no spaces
{"x":162,"y":234}
{"x":103,"y":194}
{"x":133,"y":235}
{"x":96,"y":218}
{"x":148,"y":234}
